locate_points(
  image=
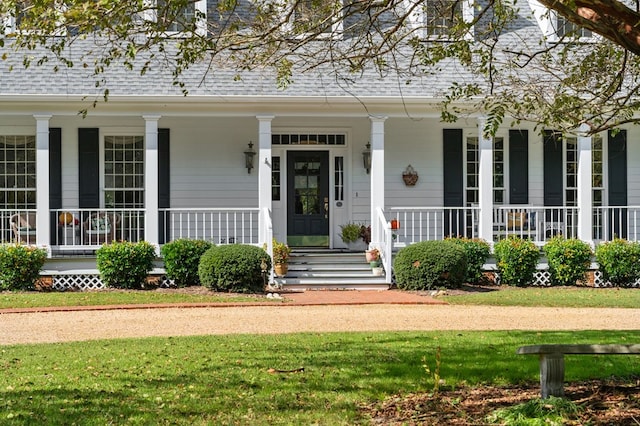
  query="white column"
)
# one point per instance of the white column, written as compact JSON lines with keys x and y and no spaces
{"x":151,"y":217}
{"x":485,"y":183}
{"x":264,"y":180}
{"x":43,"y":224}
{"x":585,"y":188}
{"x":377,"y":174}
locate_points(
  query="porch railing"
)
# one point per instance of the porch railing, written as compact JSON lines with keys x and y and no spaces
{"x":616,"y":222}
{"x":433,"y":223}
{"x":220,"y":226}
{"x":386,"y":244}
{"x":90,"y":228}
{"x":18,"y":225}
{"x":538,"y":224}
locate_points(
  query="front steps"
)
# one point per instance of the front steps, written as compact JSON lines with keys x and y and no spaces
{"x":316,"y":269}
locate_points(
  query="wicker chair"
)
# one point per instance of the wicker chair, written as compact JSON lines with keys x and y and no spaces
{"x":100,"y":228}
{"x":23,"y":226}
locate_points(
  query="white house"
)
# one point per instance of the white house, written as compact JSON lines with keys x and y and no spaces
{"x":153,"y":164}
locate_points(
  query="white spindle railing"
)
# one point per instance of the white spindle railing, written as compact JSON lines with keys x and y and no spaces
{"x":616,"y":222}
{"x":386,"y":244}
{"x":433,"y":223}
{"x":538,"y":224}
{"x":18,"y":225}
{"x":220,"y":226}
{"x":90,"y":228}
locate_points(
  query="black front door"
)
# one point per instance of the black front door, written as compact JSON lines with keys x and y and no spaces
{"x":308,"y":198}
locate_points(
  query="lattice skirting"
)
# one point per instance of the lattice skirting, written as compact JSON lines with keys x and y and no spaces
{"x":542,"y":278}
{"x":84,"y":282}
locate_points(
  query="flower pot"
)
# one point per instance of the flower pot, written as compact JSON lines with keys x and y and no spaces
{"x":356,"y":246}
{"x":281,"y":269}
{"x":377,"y":271}
{"x":374,"y":263}
{"x":371,"y":255}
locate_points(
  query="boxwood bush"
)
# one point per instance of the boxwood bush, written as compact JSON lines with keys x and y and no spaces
{"x":569,"y":260}
{"x":430,"y":264}
{"x":477,"y":251}
{"x":234,"y":268}
{"x":20,"y":266}
{"x":181,"y":259}
{"x":123,"y":264}
{"x":517,"y":260}
{"x":619,"y":261}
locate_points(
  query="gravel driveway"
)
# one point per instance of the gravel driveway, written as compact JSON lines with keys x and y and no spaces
{"x":87,"y":325}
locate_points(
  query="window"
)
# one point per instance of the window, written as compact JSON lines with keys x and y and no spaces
{"x":339,"y":179}
{"x":442,"y":15}
{"x":275,"y":179}
{"x":571,"y":172}
{"x":316,"y":17}
{"x":473,"y":166}
{"x":597,"y":183}
{"x":188,"y":18}
{"x":17,"y":172}
{"x":307,"y":139}
{"x":21,"y":10}
{"x":565,"y":28}
{"x":124,"y":171}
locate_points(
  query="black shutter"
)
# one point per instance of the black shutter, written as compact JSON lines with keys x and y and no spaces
{"x":518,"y":167}
{"x":453,"y":181}
{"x":164,"y":190}
{"x":453,"y":168}
{"x":88,"y":168}
{"x":55,"y":168}
{"x":617,"y":160}
{"x":618,"y":168}
{"x":553,"y":184}
{"x":55,"y":178}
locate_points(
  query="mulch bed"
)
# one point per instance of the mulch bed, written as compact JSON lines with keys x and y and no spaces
{"x":601,"y":402}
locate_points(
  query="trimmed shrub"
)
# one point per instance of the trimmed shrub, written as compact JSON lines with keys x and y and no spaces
{"x":124,"y":264}
{"x":569,"y":260}
{"x":517,"y":260}
{"x":619,"y":261}
{"x":430,"y":264}
{"x":20,"y":266}
{"x":477,"y":251}
{"x":181,"y":259}
{"x":234,"y":268}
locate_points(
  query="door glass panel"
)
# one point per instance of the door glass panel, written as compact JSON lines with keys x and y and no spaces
{"x":307,"y":190}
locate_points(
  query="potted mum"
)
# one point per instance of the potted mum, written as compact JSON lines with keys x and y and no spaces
{"x":281,"y":253}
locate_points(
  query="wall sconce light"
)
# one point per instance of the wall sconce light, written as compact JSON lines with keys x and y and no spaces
{"x":366,"y":158}
{"x":248,"y":157}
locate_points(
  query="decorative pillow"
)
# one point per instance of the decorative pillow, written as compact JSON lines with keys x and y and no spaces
{"x":515,"y":220}
{"x":100,"y":223}
{"x":531,"y":220}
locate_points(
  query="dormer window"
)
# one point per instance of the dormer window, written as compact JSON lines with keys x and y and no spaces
{"x":319,"y":17}
{"x":442,"y":16}
{"x":566,"y":28}
{"x":187,"y":19}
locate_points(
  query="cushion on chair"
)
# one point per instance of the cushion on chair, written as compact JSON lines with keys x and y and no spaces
{"x":99,"y":225}
{"x":515,"y":219}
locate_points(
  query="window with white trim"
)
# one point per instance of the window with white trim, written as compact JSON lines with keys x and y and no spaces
{"x":598,"y":184}
{"x":17,"y":172}
{"x":566,"y":28}
{"x":441,"y":16}
{"x":191,"y":17}
{"x":473,"y":168}
{"x":320,"y":17}
{"x":124,"y":171}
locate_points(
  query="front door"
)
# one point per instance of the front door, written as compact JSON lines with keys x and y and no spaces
{"x":308,"y":198}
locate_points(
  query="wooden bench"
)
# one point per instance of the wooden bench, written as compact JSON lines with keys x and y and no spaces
{"x":552,"y":361}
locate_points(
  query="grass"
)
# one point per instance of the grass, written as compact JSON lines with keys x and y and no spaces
{"x":570,"y":297}
{"x":227,"y":379}
{"x":95,"y":298}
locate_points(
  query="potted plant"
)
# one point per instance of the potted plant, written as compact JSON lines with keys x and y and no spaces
{"x":281,"y":253}
{"x":372,"y":255}
{"x":351,"y":234}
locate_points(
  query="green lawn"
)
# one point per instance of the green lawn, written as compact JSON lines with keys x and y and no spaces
{"x":579,"y":297}
{"x":226,"y":380}
{"x":94,"y":298}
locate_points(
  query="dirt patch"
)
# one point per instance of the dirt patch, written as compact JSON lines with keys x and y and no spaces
{"x":600,"y":402}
